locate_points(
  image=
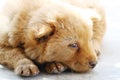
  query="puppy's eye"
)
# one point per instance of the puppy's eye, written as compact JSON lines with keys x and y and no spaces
{"x":74,"y":45}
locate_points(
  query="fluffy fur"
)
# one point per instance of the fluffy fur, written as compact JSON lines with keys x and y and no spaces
{"x":64,"y":31}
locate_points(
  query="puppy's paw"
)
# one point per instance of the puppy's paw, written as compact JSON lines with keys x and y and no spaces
{"x":26,"y":68}
{"x":55,"y":67}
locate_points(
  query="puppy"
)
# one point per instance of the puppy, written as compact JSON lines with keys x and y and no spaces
{"x":65,"y":32}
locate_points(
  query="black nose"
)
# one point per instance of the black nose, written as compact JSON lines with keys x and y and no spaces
{"x":92,"y":64}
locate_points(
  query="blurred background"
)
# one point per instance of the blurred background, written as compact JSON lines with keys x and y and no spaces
{"x":108,"y":67}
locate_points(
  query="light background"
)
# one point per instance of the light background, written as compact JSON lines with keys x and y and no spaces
{"x":108,"y":67}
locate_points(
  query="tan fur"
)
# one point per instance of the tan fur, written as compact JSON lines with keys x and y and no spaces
{"x":43,"y":30}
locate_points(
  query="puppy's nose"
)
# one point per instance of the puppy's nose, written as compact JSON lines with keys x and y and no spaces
{"x":92,"y":64}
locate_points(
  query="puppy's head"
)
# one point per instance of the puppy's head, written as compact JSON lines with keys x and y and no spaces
{"x":64,"y":37}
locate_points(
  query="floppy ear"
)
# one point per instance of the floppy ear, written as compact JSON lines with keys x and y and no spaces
{"x":90,"y":15}
{"x":41,"y":31}
{"x":93,"y":14}
{"x":38,"y":32}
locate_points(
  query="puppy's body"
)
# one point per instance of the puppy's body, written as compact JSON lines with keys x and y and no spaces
{"x":64,"y":31}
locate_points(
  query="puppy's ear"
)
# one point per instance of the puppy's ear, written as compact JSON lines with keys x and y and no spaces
{"x":56,"y":22}
{"x":38,"y":32}
{"x":42,"y":31}
{"x":90,"y":15}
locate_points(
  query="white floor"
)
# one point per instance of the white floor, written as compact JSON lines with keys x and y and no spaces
{"x":108,"y":67}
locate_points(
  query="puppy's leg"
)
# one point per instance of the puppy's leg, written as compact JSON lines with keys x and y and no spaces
{"x":14,"y":58}
{"x":99,"y":29}
{"x":55,"y":67}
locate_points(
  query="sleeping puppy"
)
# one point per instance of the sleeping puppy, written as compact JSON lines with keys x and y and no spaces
{"x":65,"y":33}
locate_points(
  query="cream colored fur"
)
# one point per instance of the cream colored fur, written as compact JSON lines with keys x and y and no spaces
{"x":65,"y":31}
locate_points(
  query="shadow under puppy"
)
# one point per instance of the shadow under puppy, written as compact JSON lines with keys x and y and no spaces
{"x":68,"y":34}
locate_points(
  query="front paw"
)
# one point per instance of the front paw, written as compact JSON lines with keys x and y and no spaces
{"x":55,"y":67}
{"x":26,"y":68}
